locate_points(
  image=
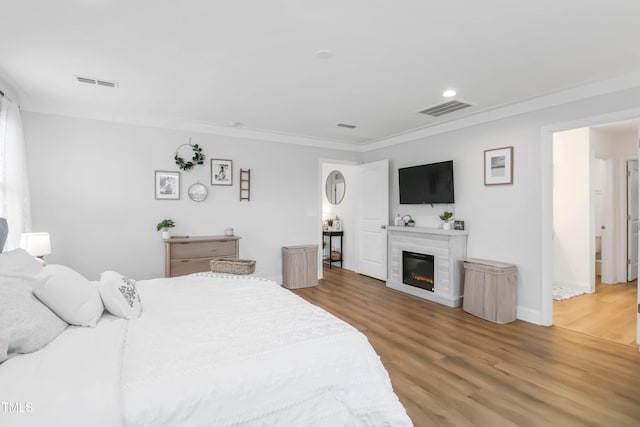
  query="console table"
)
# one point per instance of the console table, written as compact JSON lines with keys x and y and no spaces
{"x":186,"y":255}
{"x":331,"y":235}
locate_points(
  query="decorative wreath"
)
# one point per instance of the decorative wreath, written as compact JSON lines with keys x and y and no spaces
{"x":197,"y":159}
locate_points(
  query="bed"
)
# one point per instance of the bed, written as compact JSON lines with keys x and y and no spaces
{"x":207,"y":349}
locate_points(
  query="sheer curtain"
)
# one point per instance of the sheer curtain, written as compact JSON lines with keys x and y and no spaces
{"x":15,"y":204}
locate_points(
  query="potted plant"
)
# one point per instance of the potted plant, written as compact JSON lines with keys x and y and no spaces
{"x":165,"y":225}
{"x":411,"y":223}
{"x":330,"y":224}
{"x":446,"y":217}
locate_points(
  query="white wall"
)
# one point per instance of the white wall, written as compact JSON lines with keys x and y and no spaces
{"x":92,"y":188}
{"x":573,"y":260}
{"x":504,"y":222}
{"x":345,"y":210}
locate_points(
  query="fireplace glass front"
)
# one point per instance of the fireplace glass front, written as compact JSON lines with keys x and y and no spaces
{"x":417,"y":270}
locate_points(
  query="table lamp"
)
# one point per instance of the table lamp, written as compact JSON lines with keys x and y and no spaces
{"x":37,"y":244}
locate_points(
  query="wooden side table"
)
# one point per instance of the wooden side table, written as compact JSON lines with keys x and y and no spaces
{"x":331,"y":235}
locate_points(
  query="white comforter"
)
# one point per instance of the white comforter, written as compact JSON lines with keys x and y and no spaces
{"x":231,"y":351}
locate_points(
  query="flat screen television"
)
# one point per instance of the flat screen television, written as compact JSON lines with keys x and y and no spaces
{"x":426,"y":184}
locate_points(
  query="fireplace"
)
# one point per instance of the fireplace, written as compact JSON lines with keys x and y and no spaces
{"x":417,"y":270}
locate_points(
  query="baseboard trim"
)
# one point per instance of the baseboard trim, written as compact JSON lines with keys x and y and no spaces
{"x":529,"y":315}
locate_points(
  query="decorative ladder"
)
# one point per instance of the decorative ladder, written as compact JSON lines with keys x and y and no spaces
{"x":245,"y":184}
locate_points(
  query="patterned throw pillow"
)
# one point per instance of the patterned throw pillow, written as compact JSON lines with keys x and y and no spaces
{"x":119,"y":295}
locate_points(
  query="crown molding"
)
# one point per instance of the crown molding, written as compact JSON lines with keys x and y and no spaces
{"x":235,"y":132}
{"x":577,"y":93}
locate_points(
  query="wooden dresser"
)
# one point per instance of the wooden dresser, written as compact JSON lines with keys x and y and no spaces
{"x":186,"y":255}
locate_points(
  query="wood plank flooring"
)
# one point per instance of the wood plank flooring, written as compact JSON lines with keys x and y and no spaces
{"x":450,"y":368}
{"x":609,"y":313}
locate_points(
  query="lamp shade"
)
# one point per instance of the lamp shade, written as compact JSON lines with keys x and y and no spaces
{"x":37,"y":244}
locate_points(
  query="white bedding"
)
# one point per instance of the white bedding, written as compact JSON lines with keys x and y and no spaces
{"x":207,"y":351}
{"x":74,"y":381}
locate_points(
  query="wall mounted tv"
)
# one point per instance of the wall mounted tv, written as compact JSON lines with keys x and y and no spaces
{"x":426,"y":184}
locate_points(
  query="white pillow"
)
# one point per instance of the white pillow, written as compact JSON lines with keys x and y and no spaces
{"x":119,"y":295}
{"x":19,"y":264}
{"x":26,"y":324}
{"x":69,"y":295}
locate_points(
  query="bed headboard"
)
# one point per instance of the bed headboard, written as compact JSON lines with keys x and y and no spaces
{"x":4,"y":230}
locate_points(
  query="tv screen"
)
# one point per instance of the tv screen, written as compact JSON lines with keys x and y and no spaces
{"x":432,"y":183}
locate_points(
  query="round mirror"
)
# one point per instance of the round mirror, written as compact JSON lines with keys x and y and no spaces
{"x":335,"y":187}
{"x":198,"y":192}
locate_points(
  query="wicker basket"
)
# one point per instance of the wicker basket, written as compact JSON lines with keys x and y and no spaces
{"x":233,"y":266}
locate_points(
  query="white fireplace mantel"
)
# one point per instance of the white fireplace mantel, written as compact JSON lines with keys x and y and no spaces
{"x":449,"y":249}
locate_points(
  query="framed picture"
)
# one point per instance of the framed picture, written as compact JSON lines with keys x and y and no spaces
{"x":221,"y":171}
{"x":458,"y":225}
{"x":337,"y":225}
{"x":498,"y":166}
{"x":167,"y":185}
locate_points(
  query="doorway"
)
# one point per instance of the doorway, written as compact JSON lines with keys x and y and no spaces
{"x":595,"y":223}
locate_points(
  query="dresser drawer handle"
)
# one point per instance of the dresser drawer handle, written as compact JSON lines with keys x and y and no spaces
{"x":184,"y":260}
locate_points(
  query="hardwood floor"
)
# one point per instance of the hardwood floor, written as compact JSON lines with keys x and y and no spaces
{"x":609,"y":313}
{"x":450,"y":368}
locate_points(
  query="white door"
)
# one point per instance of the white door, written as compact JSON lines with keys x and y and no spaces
{"x":632,"y":220}
{"x":372,"y":219}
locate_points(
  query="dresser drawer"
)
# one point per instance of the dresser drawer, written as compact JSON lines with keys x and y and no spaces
{"x":188,"y":266}
{"x":203,"y":249}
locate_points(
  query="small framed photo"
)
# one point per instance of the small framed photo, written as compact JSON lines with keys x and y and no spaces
{"x":221,"y":171}
{"x":498,"y":166}
{"x":167,"y":185}
{"x":337,"y":225}
{"x":458,"y":225}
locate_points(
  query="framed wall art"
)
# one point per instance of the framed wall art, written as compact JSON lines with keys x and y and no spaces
{"x":498,"y":166}
{"x":221,"y":171}
{"x":167,"y":185}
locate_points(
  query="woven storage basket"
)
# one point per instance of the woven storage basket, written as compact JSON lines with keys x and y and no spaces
{"x":233,"y":266}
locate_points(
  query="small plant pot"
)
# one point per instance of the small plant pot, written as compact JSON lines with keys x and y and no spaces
{"x":166,"y":233}
{"x":411,"y":224}
{"x":446,"y":226}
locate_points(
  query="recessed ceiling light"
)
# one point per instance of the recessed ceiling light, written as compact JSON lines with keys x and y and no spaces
{"x":324,"y":54}
{"x":449,"y":93}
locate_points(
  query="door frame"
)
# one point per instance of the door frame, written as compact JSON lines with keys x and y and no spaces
{"x":546,"y":199}
{"x":625,"y":210}
{"x":321,"y":162}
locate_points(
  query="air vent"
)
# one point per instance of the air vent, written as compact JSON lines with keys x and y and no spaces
{"x":92,"y":81}
{"x":108,"y":84}
{"x":85,"y":80}
{"x":345,"y":125}
{"x":445,"y":108}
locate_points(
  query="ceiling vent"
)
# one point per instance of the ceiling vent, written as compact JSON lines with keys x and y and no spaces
{"x":91,"y":81}
{"x":345,"y":125}
{"x":445,"y":108}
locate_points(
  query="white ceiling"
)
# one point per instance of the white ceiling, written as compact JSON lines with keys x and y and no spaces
{"x":205,"y":62}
